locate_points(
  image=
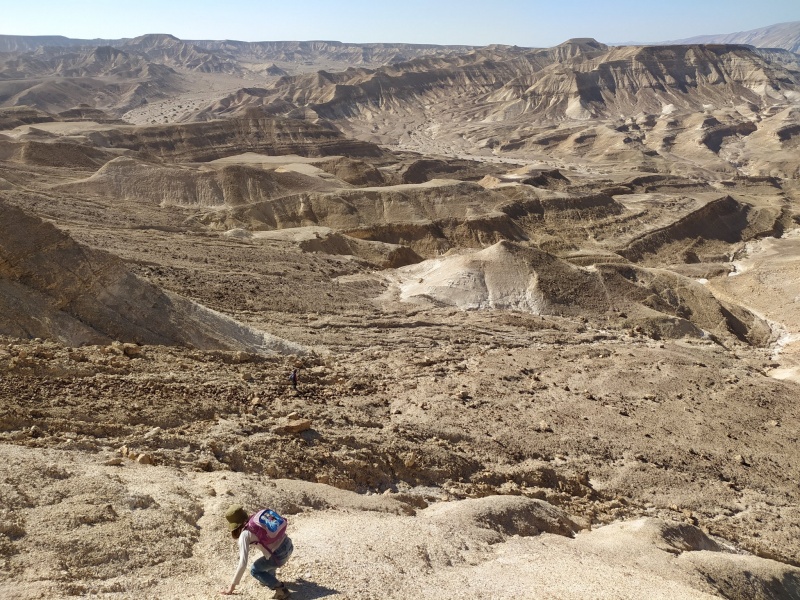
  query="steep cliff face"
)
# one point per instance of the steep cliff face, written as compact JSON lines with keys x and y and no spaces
{"x":626,"y":80}
{"x":464,"y":77}
{"x":22,"y":115}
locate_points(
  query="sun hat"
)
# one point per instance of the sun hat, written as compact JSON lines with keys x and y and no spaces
{"x":236,"y":516}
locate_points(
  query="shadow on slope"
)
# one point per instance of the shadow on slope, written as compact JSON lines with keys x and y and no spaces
{"x":52,"y":287}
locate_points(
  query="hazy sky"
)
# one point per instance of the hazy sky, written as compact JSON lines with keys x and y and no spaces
{"x":472,"y":22}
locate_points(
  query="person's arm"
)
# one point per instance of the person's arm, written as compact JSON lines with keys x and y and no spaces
{"x":244,"y":553}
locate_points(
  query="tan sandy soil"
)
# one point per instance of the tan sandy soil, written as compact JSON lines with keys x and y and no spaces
{"x":506,"y":547}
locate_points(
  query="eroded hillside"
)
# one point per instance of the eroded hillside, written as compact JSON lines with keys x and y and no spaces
{"x":553,"y":338}
{"x":679,"y":109}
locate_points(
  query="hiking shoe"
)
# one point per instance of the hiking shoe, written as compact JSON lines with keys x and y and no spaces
{"x":281,"y":592}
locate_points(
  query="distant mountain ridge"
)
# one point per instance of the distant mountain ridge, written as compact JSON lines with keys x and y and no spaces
{"x":56,"y":73}
{"x":579,"y":79}
{"x":781,"y":35}
{"x":719,"y":102}
{"x":27,"y":43}
{"x":718,"y":105}
{"x":232,"y":56}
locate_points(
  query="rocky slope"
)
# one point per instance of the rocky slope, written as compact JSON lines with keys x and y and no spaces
{"x":216,"y":139}
{"x":51,"y":287}
{"x":531,"y":548}
{"x":568,"y":358}
{"x":782,"y":35}
{"x":562,"y":102}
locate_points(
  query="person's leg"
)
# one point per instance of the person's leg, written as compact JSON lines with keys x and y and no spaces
{"x":264,"y":568}
{"x":264,"y":571}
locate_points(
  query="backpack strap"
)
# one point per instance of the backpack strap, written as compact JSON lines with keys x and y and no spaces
{"x":271,"y":553}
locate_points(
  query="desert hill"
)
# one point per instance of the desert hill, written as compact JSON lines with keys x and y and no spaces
{"x":169,"y":50}
{"x":66,"y":292}
{"x":563,"y":101}
{"x":204,"y":141}
{"x":508,"y":276}
{"x":59,"y":79}
{"x":687,"y":106}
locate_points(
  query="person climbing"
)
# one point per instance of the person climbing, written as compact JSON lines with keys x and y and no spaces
{"x":293,"y":379}
{"x":266,"y":530}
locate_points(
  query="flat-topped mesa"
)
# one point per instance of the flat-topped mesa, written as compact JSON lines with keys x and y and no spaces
{"x":14,"y":116}
{"x":254,"y":132}
{"x":578,"y":46}
{"x":150,"y":40}
{"x":179,"y":185}
{"x":586,"y":42}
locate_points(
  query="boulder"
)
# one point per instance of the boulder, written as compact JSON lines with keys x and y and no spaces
{"x":293,"y":426}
